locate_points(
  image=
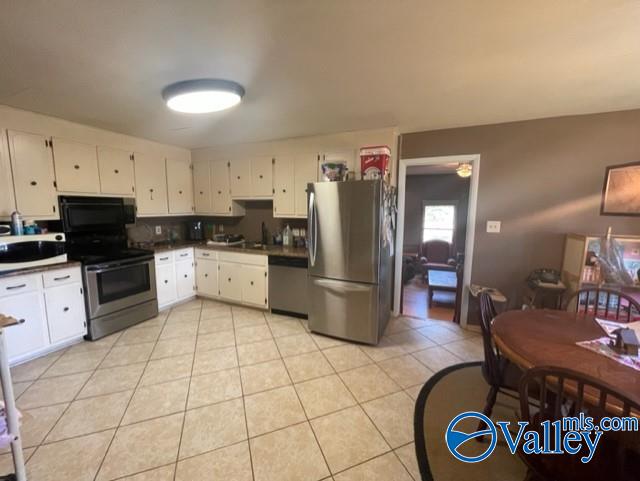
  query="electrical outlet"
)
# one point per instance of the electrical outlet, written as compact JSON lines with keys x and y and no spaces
{"x":493,"y":226}
{"x":158,"y":230}
{"x":221,"y":228}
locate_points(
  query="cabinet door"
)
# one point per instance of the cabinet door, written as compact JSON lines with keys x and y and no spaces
{"x":262,"y":177}
{"x":76,"y":166}
{"x":65,"y":312}
{"x":166,"y":284}
{"x":116,"y":171}
{"x":180,"y":186}
{"x":254,"y":285}
{"x":202,"y":187}
{"x":240,"y":175}
{"x":221,"y":201}
{"x":229,"y":281}
{"x":304,"y":173}
{"x":33,"y":175}
{"x":207,"y":277}
{"x":151,"y":184}
{"x":32,"y":334}
{"x":283,"y":186}
{"x":185,"y":284}
{"x":7,"y":197}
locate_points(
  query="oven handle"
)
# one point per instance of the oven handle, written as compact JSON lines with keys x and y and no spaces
{"x":94,"y":270}
{"x":110,"y":267}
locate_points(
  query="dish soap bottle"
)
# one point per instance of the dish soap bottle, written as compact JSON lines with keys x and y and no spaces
{"x":287,"y":236}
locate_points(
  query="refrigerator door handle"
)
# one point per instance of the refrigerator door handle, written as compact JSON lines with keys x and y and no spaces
{"x":313,"y":228}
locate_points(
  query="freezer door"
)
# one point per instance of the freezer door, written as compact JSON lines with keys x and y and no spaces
{"x":348,"y":310}
{"x":344,"y":230}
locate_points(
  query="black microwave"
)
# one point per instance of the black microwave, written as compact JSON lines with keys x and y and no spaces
{"x":95,"y":214}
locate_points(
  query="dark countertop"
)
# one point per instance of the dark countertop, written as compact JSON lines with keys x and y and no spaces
{"x":34,"y":270}
{"x":269,"y":250}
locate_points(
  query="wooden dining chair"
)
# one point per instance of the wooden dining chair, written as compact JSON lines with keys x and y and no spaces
{"x":501,"y":375}
{"x":604,"y":303}
{"x":617,"y":456}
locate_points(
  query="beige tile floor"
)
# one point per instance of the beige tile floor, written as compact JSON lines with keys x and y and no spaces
{"x":207,"y":391}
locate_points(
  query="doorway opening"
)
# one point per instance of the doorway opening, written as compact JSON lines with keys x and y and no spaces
{"x":436,"y":219}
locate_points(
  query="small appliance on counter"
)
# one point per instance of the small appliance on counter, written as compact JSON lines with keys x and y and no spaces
{"x":22,"y":251}
{"x":226,"y":240}
{"x":196,"y":230}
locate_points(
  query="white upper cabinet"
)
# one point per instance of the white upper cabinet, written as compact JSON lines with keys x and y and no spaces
{"x":305,"y":172}
{"x":202,"y":187}
{"x":240,"y":175}
{"x":33,"y":175}
{"x":180,"y":186}
{"x":7,"y":197}
{"x":262,"y":177}
{"x":221,"y":197}
{"x":252,"y":178}
{"x":151,"y":185}
{"x":76,"y":166}
{"x":283,"y":187}
{"x":116,"y":171}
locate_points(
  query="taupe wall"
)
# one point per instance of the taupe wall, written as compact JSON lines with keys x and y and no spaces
{"x":442,"y":187}
{"x":542,"y":179}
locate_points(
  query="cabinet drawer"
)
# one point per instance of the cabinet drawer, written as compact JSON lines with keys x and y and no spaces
{"x":164,"y":258}
{"x":250,"y":259}
{"x":183,"y":254}
{"x":61,"y":277}
{"x":206,"y":254}
{"x":19,"y":285}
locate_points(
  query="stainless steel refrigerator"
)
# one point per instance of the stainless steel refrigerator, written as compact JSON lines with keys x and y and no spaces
{"x":350,"y":237}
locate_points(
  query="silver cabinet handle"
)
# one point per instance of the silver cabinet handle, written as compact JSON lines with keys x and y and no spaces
{"x":163,"y":259}
{"x":19,"y":286}
{"x":62,"y":278}
{"x":184,"y":255}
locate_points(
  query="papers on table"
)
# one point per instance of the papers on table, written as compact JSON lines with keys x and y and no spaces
{"x":610,"y":326}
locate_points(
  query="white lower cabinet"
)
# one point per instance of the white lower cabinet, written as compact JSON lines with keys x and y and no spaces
{"x":207,"y":276}
{"x":52,"y":306}
{"x":175,"y":276}
{"x":166,"y":285}
{"x":65,"y":310}
{"x":254,"y":285}
{"x":30,"y":336}
{"x":230,"y":281}
{"x":233,"y":276}
{"x":185,"y":285}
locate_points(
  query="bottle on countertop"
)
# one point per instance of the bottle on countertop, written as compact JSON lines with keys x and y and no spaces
{"x":287,"y":236}
{"x":16,"y":223}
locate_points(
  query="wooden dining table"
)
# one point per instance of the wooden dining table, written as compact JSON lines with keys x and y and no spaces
{"x":543,"y":337}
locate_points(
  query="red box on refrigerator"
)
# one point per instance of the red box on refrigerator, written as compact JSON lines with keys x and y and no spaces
{"x":374,"y":161}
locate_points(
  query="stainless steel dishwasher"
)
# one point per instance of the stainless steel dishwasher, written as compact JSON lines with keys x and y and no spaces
{"x":288,"y":285}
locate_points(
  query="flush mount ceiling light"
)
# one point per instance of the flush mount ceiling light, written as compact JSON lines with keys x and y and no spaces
{"x":464,"y":170}
{"x":202,"y":95}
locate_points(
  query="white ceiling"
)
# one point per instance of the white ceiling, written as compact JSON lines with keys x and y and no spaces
{"x":313,"y":67}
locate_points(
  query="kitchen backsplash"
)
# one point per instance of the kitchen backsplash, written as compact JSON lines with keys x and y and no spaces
{"x":249,"y":225}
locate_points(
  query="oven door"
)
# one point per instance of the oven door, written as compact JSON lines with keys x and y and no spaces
{"x":119,"y":285}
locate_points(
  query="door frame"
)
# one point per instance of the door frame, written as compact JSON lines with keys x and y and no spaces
{"x":474,"y":160}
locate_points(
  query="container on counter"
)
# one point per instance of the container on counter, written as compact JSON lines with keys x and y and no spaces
{"x":16,"y":223}
{"x":374,"y":162}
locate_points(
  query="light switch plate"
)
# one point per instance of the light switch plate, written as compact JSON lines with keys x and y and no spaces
{"x":493,"y":226}
{"x":158,"y":230}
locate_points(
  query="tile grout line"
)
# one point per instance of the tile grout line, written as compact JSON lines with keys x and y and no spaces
{"x":186,"y":401}
{"x":244,"y":404}
{"x":75,"y":397}
{"x":304,"y":411}
{"x":117,"y":428}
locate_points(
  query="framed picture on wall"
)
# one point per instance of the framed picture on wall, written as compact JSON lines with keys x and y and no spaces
{"x":621,"y":190}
